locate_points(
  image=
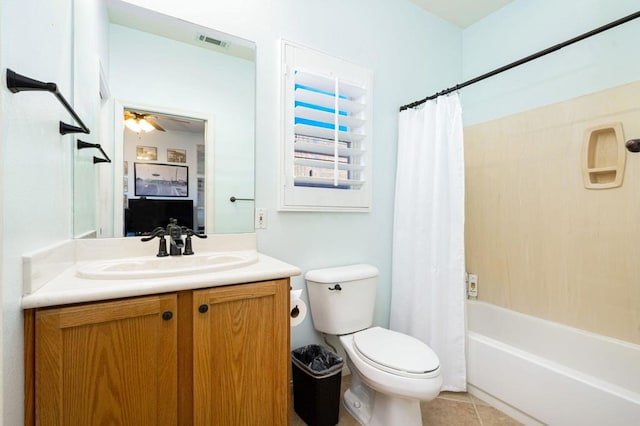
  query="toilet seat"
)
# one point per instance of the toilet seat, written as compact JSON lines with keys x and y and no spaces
{"x":395,"y":353}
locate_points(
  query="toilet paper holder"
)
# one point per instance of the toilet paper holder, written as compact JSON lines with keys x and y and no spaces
{"x":297,"y":308}
{"x":295,"y":312}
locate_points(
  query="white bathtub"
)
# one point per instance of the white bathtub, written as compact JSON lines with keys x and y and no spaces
{"x":544,"y":372}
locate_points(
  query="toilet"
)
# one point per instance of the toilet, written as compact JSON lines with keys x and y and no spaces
{"x":391,"y":372}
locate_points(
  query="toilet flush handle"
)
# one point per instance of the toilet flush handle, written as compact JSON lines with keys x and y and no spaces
{"x":336,"y":287}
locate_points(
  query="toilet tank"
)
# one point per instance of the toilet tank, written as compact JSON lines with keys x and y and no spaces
{"x":342,"y":299}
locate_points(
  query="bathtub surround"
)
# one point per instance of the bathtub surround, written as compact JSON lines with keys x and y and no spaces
{"x":428,"y":239}
{"x":566,"y":259}
{"x":541,"y":243}
{"x":546,"y":246}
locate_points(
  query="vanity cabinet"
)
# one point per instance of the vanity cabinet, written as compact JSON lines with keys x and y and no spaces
{"x":107,"y":363}
{"x":201,"y":357}
{"x":241,"y":355}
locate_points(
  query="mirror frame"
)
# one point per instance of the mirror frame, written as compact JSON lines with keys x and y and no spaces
{"x":118,"y":146}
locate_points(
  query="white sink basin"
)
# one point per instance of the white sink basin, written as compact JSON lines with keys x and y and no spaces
{"x":159,"y":267}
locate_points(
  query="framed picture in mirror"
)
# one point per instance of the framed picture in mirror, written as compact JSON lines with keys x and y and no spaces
{"x":176,"y":155}
{"x":148,"y":153}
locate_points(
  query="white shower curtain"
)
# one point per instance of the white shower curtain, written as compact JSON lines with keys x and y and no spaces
{"x":428,"y":288}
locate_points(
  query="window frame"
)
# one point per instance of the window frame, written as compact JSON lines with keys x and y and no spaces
{"x":348,"y":195}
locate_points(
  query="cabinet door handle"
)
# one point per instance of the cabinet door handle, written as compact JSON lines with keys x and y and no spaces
{"x":203,"y":308}
{"x":167,"y":315}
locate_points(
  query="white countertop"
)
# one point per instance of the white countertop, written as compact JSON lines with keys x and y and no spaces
{"x":50,"y":274}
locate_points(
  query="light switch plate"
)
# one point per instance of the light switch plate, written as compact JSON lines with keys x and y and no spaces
{"x":472,"y":289}
{"x":261,"y":219}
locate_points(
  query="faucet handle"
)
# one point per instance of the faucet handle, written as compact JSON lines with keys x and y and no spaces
{"x":158,"y":232}
{"x":162,"y":245}
{"x":191,"y":233}
{"x":188,"y":248}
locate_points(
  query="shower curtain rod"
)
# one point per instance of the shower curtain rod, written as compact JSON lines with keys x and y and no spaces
{"x":525,"y":60}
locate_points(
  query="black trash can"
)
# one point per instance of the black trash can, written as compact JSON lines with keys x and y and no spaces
{"x":316,"y":384}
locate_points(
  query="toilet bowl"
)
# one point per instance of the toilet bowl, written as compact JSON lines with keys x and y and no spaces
{"x":394,"y":363}
{"x":398,"y":387}
{"x":390,"y":372}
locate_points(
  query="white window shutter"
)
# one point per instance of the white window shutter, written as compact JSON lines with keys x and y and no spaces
{"x":326,"y":132}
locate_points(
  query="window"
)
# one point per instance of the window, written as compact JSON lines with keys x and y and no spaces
{"x":327,"y":136}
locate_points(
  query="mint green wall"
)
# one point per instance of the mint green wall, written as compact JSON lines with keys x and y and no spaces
{"x":35,"y":165}
{"x":525,"y":27}
{"x":411,"y":54}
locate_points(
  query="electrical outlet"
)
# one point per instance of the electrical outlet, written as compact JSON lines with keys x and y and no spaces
{"x":261,"y":218}
{"x":472,"y":285}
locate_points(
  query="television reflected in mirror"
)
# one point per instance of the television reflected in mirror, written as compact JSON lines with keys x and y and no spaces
{"x":143,"y":215}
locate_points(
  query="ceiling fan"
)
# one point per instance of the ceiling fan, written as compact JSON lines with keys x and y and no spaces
{"x":137,"y":122}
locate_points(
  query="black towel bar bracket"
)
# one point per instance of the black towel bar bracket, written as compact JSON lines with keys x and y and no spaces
{"x":83,"y":145}
{"x":20,"y":83}
{"x":69,"y":128}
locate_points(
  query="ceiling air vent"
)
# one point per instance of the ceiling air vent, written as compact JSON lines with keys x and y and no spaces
{"x":211,"y":40}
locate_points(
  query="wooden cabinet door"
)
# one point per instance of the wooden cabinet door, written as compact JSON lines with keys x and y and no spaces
{"x":241,"y":354}
{"x":111,"y":363}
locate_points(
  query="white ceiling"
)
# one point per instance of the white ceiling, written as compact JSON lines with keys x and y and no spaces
{"x":461,"y":12}
{"x":174,"y":123}
{"x":180,"y":124}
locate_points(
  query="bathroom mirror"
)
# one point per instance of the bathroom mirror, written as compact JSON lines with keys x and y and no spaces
{"x":197,"y":84}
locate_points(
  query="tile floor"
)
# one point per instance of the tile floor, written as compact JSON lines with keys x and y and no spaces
{"x":450,"y":408}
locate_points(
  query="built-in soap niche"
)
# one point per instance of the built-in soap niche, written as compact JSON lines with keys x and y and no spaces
{"x":603,"y":156}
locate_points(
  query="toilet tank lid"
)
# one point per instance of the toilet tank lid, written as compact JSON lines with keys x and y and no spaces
{"x":342,"y":273}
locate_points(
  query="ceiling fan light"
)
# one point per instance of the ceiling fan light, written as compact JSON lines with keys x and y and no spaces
{"x":132,"y":124}
{"x":145,"y":126}
{"x":138,"y":125}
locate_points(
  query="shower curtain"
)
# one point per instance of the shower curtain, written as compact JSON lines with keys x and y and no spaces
{"x":428,"y":267}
